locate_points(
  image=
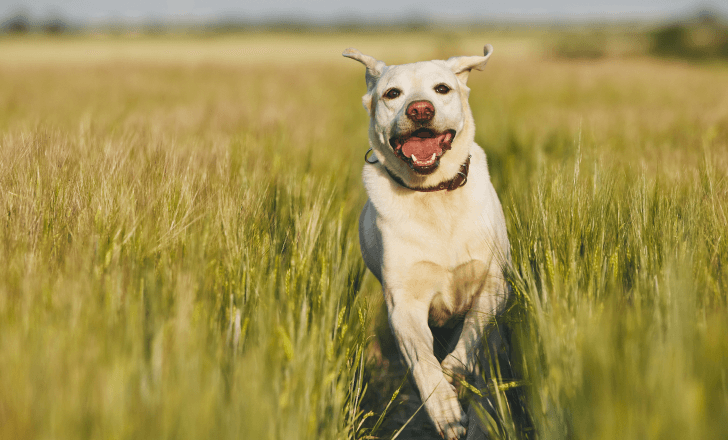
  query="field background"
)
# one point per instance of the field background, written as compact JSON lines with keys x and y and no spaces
{"x":179,"y":254}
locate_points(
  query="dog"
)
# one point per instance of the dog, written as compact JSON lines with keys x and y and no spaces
{"x":432,"y":231}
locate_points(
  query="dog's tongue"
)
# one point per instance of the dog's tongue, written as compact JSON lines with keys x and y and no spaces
{"x":422,"y":147}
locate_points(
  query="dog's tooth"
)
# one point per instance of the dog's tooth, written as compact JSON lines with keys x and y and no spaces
{"x":433,"y":156}
{"x":414,"y":158}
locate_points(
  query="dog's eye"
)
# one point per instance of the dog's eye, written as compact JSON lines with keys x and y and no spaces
{"x":392,"y":93}
{"x":442,"y":89}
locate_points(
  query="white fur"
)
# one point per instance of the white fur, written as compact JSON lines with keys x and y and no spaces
{"x":439,"y":255}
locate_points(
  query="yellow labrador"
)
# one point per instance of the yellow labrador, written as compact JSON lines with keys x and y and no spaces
{"x":432,"y":231}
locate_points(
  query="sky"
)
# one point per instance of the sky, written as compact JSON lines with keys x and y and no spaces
{"x":339,"y":9}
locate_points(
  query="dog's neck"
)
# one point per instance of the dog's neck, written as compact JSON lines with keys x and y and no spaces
{"x":460,"y":179}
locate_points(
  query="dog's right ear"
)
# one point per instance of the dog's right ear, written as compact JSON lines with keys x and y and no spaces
{"x":461,"y":66}
{"x":375,"y":68}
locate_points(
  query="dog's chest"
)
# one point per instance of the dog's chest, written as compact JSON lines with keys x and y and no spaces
{"x":440,"y":252}
{"x":449,"y":291}
{"x":448,"y":231}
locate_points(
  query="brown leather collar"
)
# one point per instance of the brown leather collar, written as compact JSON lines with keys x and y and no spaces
{"x":460,"y":179}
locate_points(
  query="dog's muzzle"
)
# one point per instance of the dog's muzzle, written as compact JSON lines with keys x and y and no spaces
{"x":422,"y":147}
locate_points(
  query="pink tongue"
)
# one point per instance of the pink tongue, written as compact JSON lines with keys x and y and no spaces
{"x":423,"y":148}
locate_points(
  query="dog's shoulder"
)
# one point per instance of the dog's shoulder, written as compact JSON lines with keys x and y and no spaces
{"x":384,"y":194}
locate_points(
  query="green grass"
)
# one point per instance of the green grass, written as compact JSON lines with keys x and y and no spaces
{"x":180,"y":256}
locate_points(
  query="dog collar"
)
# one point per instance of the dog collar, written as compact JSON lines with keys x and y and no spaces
{"x":460,"y":179}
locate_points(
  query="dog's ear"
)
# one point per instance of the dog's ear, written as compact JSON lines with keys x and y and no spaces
{"x":461,"y":66}
{"x":373,"y":65}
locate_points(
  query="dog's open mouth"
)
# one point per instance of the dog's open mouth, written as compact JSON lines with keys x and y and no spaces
{"x":423,"y":148}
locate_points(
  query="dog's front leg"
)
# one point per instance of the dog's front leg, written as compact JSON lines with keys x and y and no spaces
{"x":463,"y":360}
{"x":408,"y":320}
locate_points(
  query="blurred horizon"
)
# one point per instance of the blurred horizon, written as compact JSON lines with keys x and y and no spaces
{"x":698,"y":33}
{"x":85,"y":13}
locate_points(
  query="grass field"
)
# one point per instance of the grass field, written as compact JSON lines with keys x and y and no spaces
{"x":179,"y":254}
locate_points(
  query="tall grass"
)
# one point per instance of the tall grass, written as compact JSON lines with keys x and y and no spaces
{"x":180,"y":256}
{"x":624,"y":289}
{"x":166,"y":275}
{"x":617,"y":229}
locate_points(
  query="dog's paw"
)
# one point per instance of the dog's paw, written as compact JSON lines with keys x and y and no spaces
{"x":446,"y":412}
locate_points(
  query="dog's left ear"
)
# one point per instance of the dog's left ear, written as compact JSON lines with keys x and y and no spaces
{"x":375,"y":68}
{"x":461,"y":66}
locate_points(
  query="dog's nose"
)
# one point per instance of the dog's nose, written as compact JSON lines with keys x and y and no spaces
{"x":421,"y":111}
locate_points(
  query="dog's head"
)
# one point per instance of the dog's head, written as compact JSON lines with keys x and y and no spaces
{"x":421,"y":126}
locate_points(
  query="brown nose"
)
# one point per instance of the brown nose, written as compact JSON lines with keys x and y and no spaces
{"x":421,"y":111}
